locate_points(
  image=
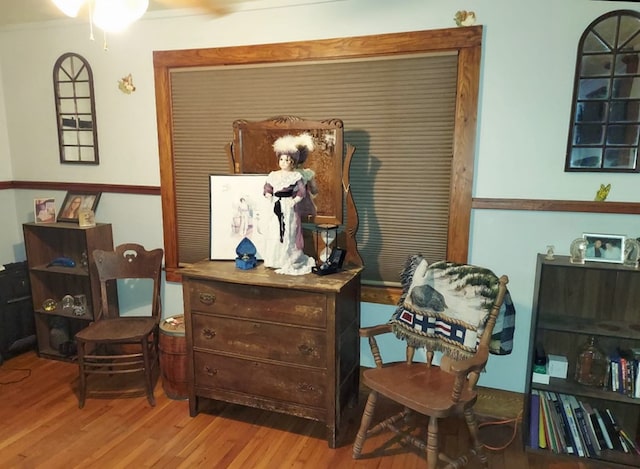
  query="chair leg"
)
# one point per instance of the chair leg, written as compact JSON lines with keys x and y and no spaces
{"x":367,"y":415}
{"x":432,"y":443}
{"x":148,"y":372}
{"x":472,"y":424}
{"x":82,"y":384}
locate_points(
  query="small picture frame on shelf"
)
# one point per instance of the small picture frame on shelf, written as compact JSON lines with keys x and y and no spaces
{"x":75,"y":202}
{"x":44,"y":210}
{"x":604,"y":247}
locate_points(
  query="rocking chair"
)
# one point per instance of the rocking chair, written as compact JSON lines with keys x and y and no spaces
{"x":424,"y":388}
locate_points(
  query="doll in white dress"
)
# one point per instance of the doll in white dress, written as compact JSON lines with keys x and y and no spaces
{"x":289,"y":196}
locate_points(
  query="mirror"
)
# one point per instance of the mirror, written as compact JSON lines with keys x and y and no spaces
{"x":252,"y":153}
{"x":605,"y":115}
{"x":75,"y":110}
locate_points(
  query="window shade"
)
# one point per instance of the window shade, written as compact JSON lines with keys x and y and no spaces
{"x":397,"y":111}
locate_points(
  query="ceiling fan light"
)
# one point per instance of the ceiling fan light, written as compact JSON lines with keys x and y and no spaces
{"x":114,"y":16}
{"x":69,"y":7}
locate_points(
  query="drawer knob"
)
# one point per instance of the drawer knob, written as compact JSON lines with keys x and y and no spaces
{"x":210,"y":371}
{"x":208,"y":333}
{"x":207,"y":298}
{"x":305,"y":387}
{"x":306,"y":349}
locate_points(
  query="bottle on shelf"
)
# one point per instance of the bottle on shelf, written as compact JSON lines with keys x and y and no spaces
{"x":591,"y":364}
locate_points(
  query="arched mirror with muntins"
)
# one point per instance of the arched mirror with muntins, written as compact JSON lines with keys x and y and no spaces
{"x":605,"y":115}
{"x":75,"y":110}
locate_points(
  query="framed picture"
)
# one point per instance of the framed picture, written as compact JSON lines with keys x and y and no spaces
{"x":604,"y":247}
{"x":44,"y":210}
{"x":74,"y":202}
{"x":237,"y":202}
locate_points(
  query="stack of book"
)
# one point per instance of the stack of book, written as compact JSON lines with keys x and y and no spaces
{"x":563,"y":424}
{"x":623,"y":376}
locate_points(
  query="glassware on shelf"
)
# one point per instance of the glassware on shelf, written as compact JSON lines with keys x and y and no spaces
{"x":591,"y":364}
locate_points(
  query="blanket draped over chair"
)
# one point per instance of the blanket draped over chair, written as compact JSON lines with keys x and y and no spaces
{"x":437,"y":310}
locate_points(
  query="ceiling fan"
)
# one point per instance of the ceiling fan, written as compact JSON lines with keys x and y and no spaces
{"x":115,"y":15}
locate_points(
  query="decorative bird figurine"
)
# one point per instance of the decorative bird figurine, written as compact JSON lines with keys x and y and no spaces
{"x":602,"y":193}
{"x":125,"y":84}
{"x":465,"y":18}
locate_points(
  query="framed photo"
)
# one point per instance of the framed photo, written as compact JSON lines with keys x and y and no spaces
{"x":74,"y":202}
{"x":237,"y":204}
{"x":44,"y":210}
{"x":604,"y":247}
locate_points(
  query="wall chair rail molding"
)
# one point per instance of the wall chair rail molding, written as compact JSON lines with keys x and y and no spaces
{"x":544,"y":205}
{"x":82,"y":187}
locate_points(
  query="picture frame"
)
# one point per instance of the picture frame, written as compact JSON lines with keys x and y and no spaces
{"x":44,"y":210}
{"x":604,"y":247}
{"x":237,"y":203}
{"x":76,"y":201}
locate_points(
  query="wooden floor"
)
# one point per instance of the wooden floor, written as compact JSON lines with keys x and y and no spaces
{"x":42,"y":427}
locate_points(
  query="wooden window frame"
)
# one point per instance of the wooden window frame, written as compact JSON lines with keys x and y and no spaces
{"x":467,"y":42}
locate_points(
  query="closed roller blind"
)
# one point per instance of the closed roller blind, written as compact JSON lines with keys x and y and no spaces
{"x":398,"y":113}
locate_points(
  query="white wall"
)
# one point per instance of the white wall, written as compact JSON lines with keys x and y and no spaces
{"x":525,"y":98}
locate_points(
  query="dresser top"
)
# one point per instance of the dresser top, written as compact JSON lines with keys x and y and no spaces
{"x":226,"y":271}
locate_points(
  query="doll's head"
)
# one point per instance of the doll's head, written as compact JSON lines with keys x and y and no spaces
{"x":296,"y":147}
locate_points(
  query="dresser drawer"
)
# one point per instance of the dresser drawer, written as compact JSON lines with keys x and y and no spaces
{"x":248,"y":301}
{"x":268,"y":380}
{"x":259,"y":339}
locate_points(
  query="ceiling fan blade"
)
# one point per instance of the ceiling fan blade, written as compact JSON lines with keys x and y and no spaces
{"x":215,"y":7}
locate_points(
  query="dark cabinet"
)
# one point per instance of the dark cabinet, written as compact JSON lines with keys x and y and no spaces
{"x":17,"y":328}
{"x":76,"y":279}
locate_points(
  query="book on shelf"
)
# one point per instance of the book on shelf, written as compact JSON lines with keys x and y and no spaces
{"x":615,"y":372}
{"x":623,"y":373}
{"x":534,"y":419}
{"x":573,"y":425}
{"x":562,"y":423}
{"x":628,"y":445}
{"x":627,"y":373}
{"x":542,"y":439}
{"x":633,"y":446}
{"x":611,"y":430}
{"x":583,"y":428}
{"x":550,"y":431}
{"x":636,"y":389}
{"x":558,"y":428}
{"x":605,"y":432}
{"x":596,"y":431}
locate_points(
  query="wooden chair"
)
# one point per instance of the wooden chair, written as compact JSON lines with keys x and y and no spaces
{"x":116,"y":348}
{"x":424,"y":388}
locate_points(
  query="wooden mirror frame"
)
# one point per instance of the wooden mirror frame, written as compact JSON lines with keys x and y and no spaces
{"x":252,"y":153}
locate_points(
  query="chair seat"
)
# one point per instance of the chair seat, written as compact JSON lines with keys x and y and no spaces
{"x":117,"y":329}
{"x":421,"y":388}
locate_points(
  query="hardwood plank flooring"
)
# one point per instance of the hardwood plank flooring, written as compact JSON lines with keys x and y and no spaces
{"x":42,"y":427}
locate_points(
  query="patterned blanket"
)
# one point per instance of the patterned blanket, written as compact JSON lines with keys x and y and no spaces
{"x":444,"y":307}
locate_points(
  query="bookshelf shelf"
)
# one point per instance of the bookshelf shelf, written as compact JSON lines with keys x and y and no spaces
{"x":572,"y":302}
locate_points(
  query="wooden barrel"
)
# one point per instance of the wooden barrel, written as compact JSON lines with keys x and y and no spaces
{"x":173,"y":357}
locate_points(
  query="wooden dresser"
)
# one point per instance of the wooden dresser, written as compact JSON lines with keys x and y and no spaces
{"x":278,"y":342}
